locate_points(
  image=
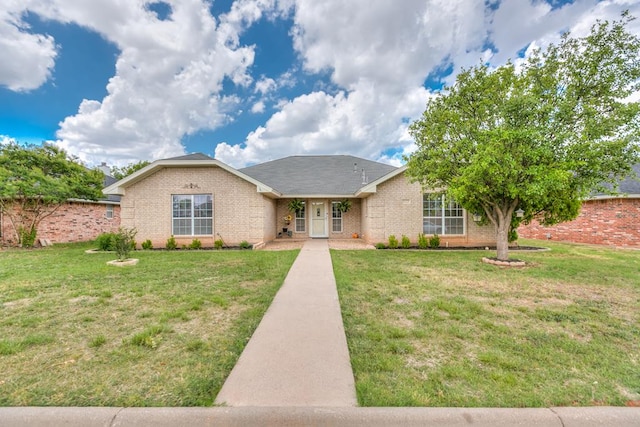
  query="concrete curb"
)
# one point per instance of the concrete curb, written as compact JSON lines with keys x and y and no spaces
{"x":319,"y":416}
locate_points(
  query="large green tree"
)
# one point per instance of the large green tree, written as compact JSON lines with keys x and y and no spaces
{"x":539,"y":136}
{"x":36,"y":180}
{"x":124,"y":171}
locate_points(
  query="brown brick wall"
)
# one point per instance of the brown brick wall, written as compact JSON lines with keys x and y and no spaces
{"x":614,"y":222}
{"x":72,"y":222}
{"x":239,"y":211}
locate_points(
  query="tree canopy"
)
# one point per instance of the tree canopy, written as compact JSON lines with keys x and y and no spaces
{"x":539,"y":135}
{"x":124,"y":171}
{"x":36,"y":180}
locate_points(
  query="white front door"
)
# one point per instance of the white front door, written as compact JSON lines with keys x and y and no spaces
{"x":318,"y":219}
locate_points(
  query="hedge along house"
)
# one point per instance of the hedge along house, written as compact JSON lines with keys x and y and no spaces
{"x":198,"y":197}
{"x":604,"y":219}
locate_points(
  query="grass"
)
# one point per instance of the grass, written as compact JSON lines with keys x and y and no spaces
{"x":444,"y":329}
{"x":167,"y":332}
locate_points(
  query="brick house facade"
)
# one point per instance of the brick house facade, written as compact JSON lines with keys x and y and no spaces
{"x":197,"y":197}
{"x":603,"y":220}
{"x":74,"y":221}
{"x":608,"y":221}
{"x":239,"y":211}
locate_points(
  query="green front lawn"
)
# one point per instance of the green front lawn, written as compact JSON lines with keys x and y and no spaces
{"x":167,"y":332}
{"x":444,"y":329}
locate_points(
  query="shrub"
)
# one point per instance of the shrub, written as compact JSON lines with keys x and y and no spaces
{"x":195,"y":244}
{"x":218,"y":244}
{"x":105,"y":241}
{"x":124,"y":242}
{"x":423,"y":243}
{"x":146,"y":245}
{"x":405,"y":242}
{"x":381,"y":246}
{"x":171,"y":244}
{"x":434,"y":242}
{"x":393,"y":242}
{"x":245,"y":245}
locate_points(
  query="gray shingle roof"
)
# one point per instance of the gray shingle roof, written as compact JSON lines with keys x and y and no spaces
{"x":108,"y":180}
{"x":318,"y":175}
{"x":192,"y":156}
{"x":629,"y":185}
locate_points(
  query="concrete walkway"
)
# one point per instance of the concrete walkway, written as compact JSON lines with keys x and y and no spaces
{"x":298,"y":355}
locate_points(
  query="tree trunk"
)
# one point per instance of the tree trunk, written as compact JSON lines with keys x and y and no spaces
{"x":502,"y":238}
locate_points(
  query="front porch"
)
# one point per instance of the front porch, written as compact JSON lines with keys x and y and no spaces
{"x":338,"y":244}
{"x":319,"y":218}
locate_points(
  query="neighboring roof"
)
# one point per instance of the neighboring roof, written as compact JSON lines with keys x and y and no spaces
{"x":109,"y":180}
{"x":629,"y":186}
{"x":339,"y":175}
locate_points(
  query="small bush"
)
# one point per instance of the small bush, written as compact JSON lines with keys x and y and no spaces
{"x":245,"y":245}
{"x":106,"y":241}
{"x":381,"y":246}
{"x":124,"y":242}
{"x":434,"y":242}
{"x":218,"y":244}
{"x":423,"y":243}
{"x":146,"y":245}
{"x":195,"y":244}
{"x":393,"y":242}
{"x":405,"y":242}
{"x":171,"y":244}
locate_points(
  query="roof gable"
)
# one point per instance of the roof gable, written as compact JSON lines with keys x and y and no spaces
{"x":191,"y":160}
{"x":192,"y":156}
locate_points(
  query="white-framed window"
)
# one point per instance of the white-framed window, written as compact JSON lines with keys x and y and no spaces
{"x":192,"y":214}
{"x":301,"y":221}
{"x":109,"y":212}
{"x":441,"y":215}
{"x":336,"y":217}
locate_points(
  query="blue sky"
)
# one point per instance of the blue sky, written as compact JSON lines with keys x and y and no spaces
{"x":248,"y":81}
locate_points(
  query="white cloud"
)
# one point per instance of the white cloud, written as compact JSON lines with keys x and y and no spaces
{"x":258,"y":107}
{"x":379,"y":54}
{"x":6,"y":139}
{"x":169,"y":74}
{"x":28,"y":59}
{"x":362,"y":122}
{"x":265,"y":85}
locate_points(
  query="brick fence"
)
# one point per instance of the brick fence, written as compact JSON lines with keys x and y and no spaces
{"x":613,"y":222}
